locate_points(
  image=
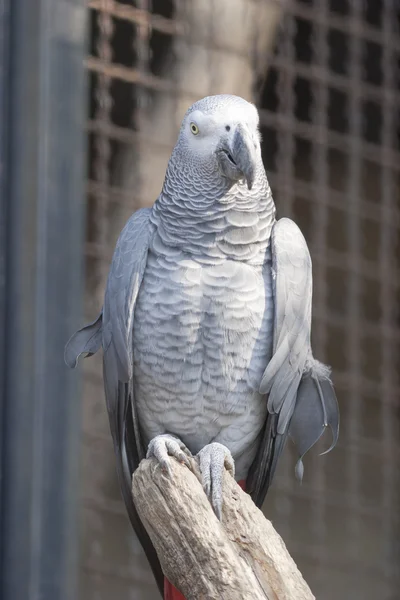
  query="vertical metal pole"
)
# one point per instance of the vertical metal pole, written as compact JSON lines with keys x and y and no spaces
{"x":4,"y":74}
{"x":44,"y":218}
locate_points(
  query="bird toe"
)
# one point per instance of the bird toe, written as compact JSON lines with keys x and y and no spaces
{"x":213,"y":459}
{"x":162,"y":447}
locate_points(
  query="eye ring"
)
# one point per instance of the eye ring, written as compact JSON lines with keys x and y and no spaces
{"x":194,"y":129}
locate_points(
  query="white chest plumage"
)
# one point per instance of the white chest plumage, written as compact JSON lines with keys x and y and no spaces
{"x":202,"y":340}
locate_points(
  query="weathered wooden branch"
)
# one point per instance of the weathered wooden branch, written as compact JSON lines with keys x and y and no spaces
{"x":240,"y":558}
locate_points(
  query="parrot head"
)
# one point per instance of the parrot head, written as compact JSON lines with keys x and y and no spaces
{"x":220,"y":133}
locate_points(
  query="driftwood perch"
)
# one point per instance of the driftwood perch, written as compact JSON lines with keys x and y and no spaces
{"x":240,"y":558}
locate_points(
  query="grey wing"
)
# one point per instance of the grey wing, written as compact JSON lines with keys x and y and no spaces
{"x":123,"y":284}
{"x":116,"y":326}
{"x":301,"y":398}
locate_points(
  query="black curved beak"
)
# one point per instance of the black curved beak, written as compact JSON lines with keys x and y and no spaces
{"x":243,"y":152}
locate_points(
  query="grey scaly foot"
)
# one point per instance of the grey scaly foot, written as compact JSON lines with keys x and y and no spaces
{"x":213,"y":459}
{"x":166,"y":445}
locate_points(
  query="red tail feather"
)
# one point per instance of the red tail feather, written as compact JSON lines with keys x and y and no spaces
{"x":170,"y":592}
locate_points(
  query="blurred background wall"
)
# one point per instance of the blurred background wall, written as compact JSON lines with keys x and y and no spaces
{"x":325,"y":76}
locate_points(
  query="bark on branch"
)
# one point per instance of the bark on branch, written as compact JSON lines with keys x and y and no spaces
{"x":240,"y":558}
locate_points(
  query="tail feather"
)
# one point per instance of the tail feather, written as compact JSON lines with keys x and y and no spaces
{"x":170,"y":592}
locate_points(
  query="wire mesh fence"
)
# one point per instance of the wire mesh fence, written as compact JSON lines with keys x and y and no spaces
{"x":325,"y":76}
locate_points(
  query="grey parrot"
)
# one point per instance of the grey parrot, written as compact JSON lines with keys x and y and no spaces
{"x":206,"y":320}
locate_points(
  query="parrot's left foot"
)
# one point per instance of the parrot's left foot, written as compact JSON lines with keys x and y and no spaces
{"x":166,"y":445}
{"x":213,"y":459}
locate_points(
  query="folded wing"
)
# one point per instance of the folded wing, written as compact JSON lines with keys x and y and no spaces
{"x":301,"y":398}
{"x":114,"y":331}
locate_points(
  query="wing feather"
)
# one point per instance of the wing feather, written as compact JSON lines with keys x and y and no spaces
{"x":297,"y":385}
{"x":116,"y":326}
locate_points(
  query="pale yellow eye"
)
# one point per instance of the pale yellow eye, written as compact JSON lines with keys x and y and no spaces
{"x":194,"y":129}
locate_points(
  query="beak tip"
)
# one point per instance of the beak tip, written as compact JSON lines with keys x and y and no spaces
{"x":249,"y":178}
{"x":243,"y":152}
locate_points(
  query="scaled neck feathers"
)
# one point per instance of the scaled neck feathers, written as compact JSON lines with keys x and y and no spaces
{"x":212,"y":220}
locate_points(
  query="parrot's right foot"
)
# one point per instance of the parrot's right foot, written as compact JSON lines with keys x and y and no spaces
{"x":213,"y":459}
{"x":166,"y":445}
